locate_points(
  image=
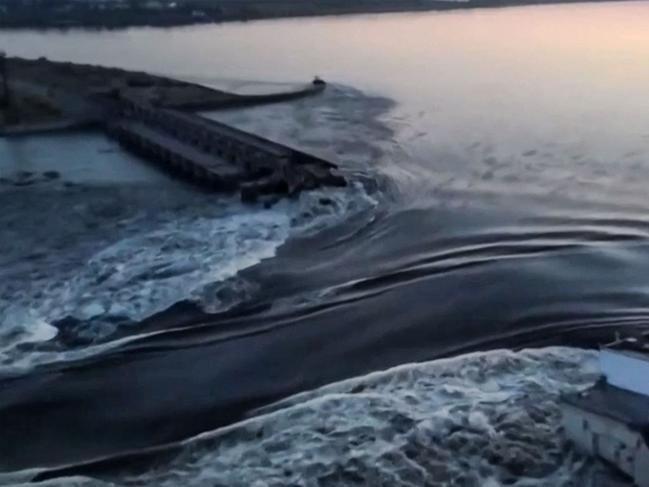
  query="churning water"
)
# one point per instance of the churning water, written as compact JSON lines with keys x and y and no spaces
{"x":498,"y":160}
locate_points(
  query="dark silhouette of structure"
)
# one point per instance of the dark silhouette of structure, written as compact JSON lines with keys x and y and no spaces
{"x":4,"y":99}
{"x":218,"y":155}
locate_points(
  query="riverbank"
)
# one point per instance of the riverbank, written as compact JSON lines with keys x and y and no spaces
{"x":117,"y":14}
{"x":53,"y":96}
{"x":145,"y":113}
{"x":509,"y":209}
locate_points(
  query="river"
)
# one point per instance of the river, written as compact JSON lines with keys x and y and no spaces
{"x":499,"y":160}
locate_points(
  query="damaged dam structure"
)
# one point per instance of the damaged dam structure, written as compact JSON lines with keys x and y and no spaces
{"x":153,"y":117}
{"x":217,"y":155}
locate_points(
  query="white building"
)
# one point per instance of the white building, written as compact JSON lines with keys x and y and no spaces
{"x":611,"y":419}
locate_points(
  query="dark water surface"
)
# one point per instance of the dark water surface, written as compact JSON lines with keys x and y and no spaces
{"x":509,"y":181}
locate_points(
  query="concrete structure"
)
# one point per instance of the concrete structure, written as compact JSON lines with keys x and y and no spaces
{"x":84,"y":95}
{"x":611,"y":419}
{"x":4,"y":97}
{"x":218,"y":155}
{"x":626,"y":365}
{"x":150,"y":115}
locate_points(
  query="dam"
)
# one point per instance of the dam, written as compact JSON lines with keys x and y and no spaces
{"x":153,"y":117}
{"x":217,"y":155}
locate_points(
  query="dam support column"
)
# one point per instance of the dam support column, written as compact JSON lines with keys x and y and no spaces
{"x":5,"y":98}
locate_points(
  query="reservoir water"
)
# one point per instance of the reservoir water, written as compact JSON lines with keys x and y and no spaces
{"x":499,"y":161}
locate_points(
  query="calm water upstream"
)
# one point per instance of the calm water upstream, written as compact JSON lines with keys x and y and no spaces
{"x":500,"y":161}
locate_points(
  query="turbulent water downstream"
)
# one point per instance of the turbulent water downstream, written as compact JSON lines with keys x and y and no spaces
{"x":153,"y":334}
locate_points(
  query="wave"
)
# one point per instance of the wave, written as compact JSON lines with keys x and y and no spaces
{"x":482,"y":419}
{"x":183,"y":256}
{"x":109,"y":257}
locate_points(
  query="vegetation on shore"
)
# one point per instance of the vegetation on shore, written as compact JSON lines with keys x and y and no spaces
{"x":26,"y":109}
{"x":48,"y":95}
{"x":126,"y":13}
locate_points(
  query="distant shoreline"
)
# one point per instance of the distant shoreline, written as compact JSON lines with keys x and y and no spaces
{"x":243,"y":12}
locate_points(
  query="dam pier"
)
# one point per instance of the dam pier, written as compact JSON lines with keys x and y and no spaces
{"x":154,"y":117}
{"x":217,"y":155}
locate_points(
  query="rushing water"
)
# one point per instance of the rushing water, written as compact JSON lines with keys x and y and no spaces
{"x":499,"y":160}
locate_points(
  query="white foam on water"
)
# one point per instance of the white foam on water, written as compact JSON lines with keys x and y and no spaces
{"x":149,"y":272}
{"x":142,"y":274}
{"x":22,"y":327}
{"x":480,"y":419}
{"x":483,"y":419}
{"x":155,"y":266}
{"x":150,"y":248}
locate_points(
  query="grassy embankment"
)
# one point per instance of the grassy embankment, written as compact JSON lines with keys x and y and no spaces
{"x":26,"y":109}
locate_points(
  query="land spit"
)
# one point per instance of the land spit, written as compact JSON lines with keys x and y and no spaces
{"x":153,"y":117}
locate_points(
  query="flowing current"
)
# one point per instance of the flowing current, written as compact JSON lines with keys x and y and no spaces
{"x":154,"y":334}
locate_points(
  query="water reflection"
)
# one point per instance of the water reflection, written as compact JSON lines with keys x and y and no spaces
{"x":518,"y":95}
